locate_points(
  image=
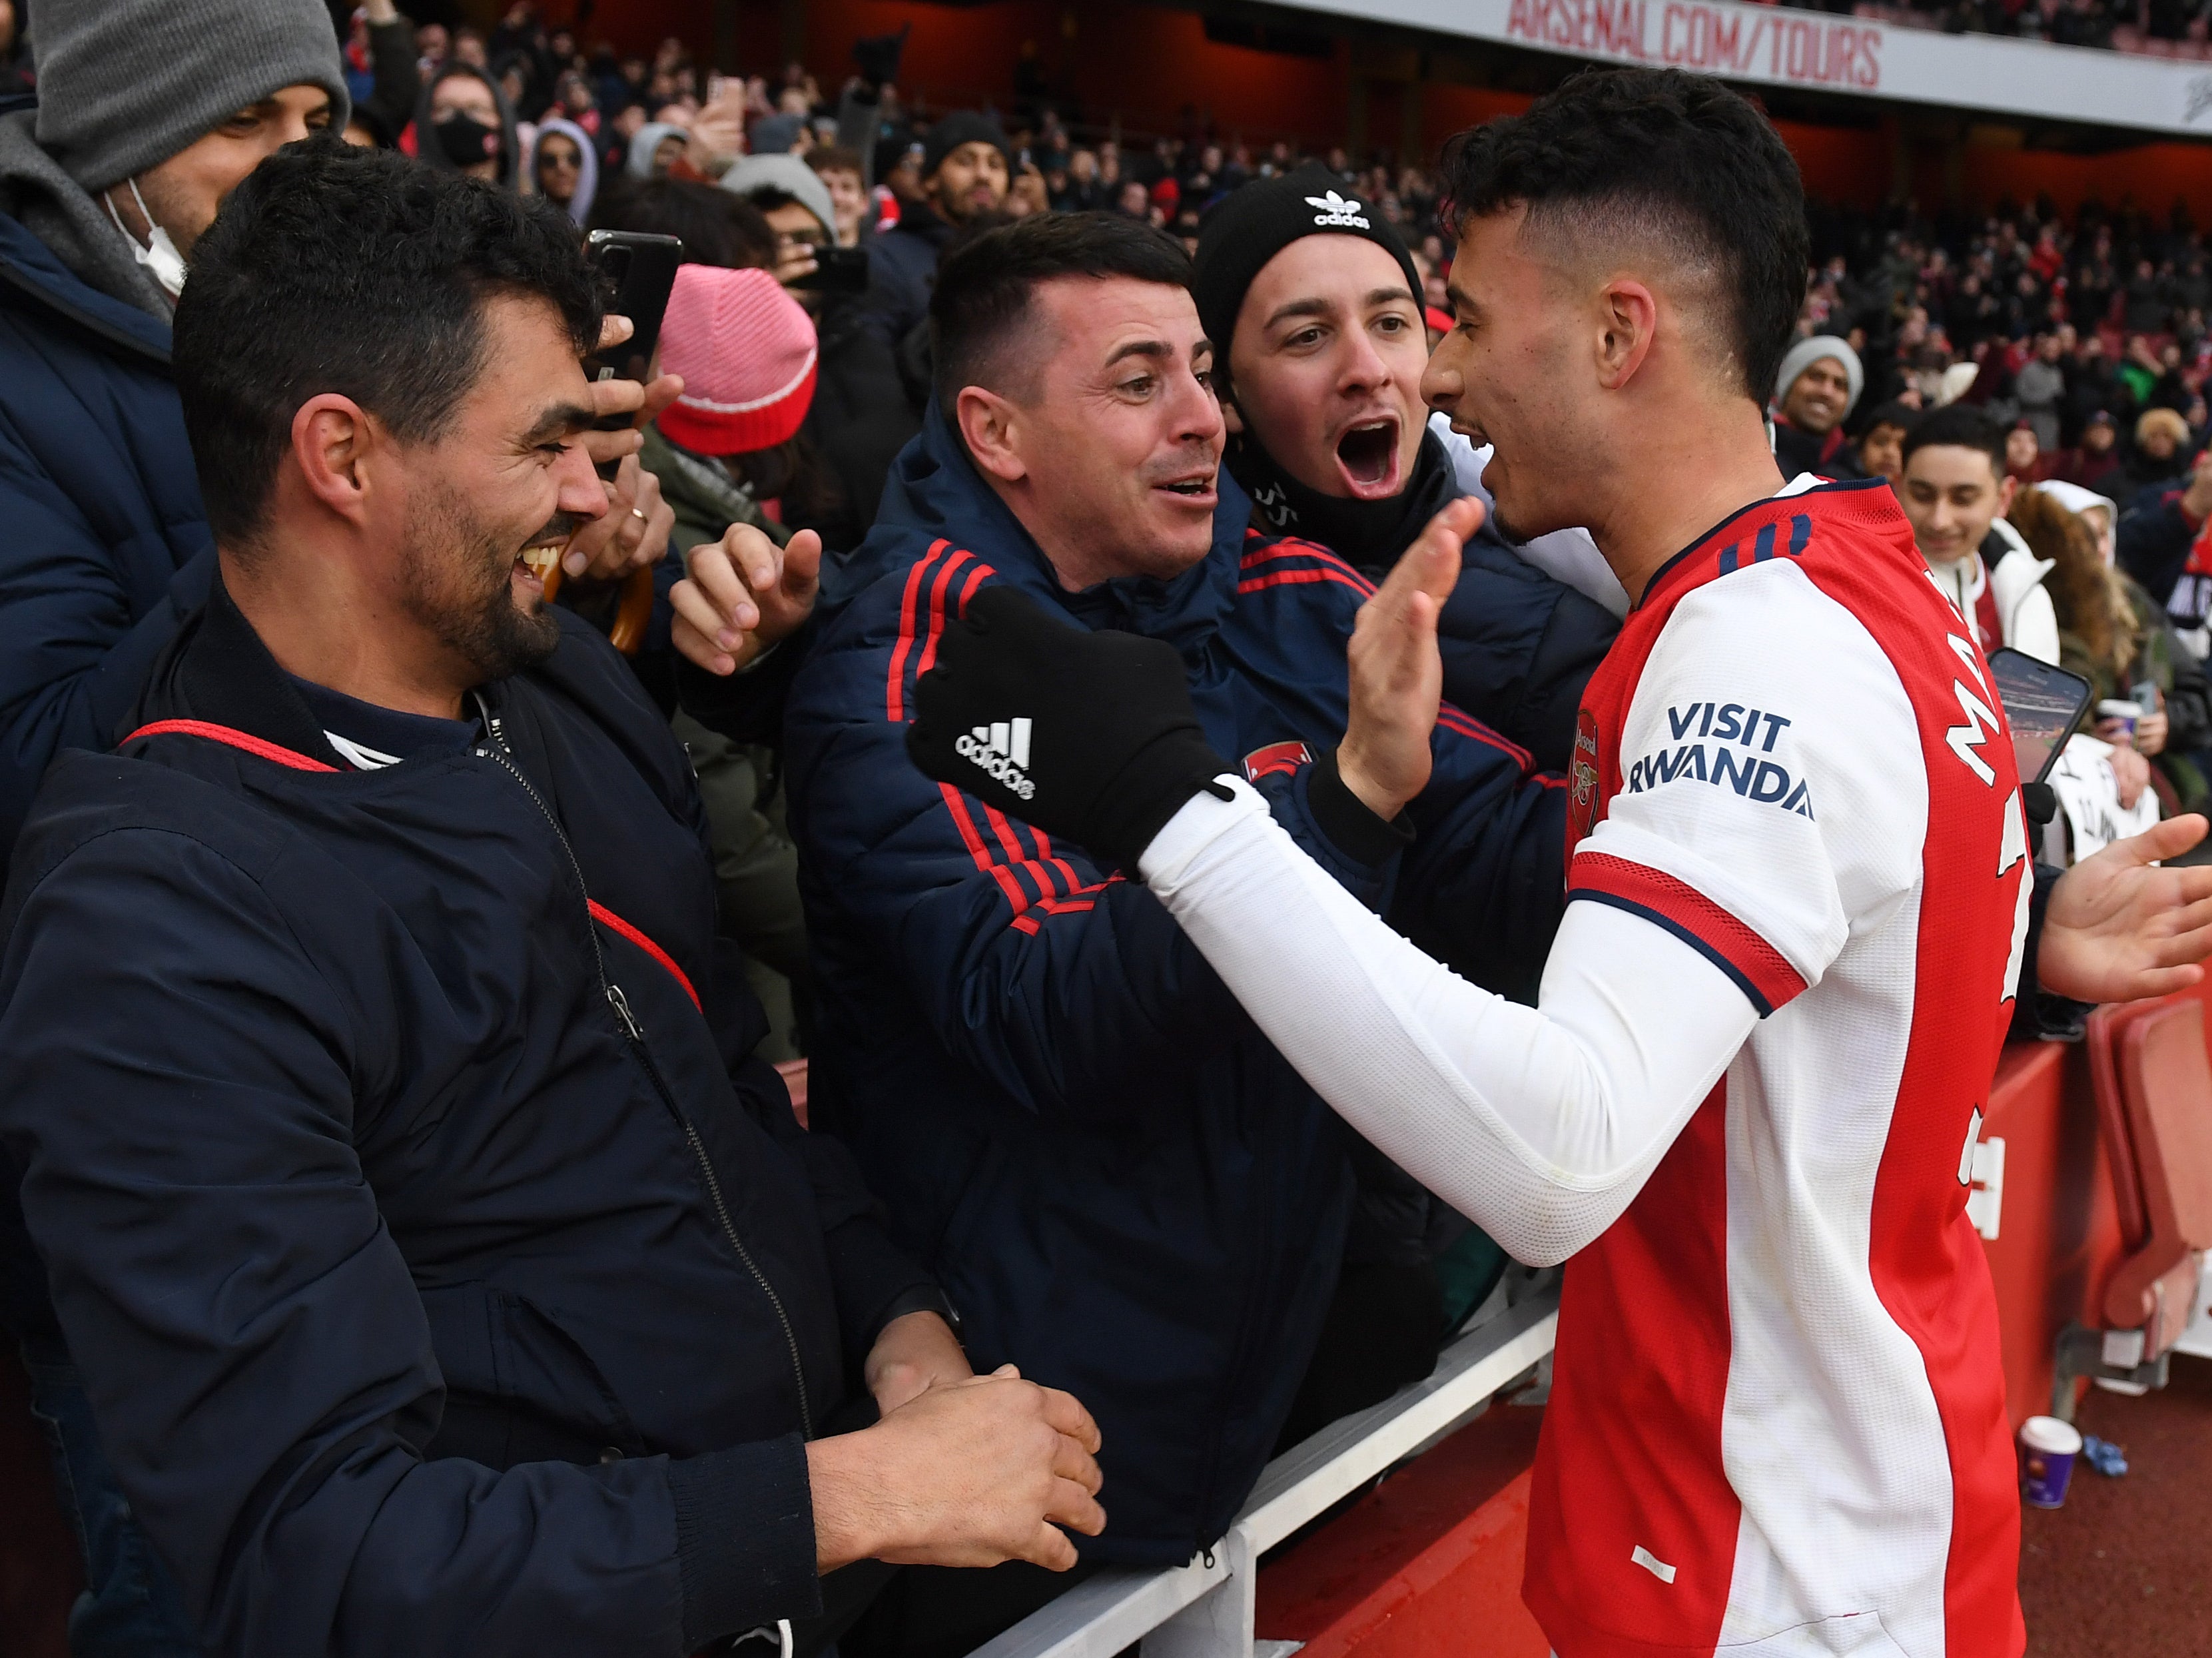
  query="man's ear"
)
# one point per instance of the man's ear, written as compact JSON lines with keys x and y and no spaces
{"x":332,"y":439}
{"x":2008,"y":487}
{"x":989,"y":427}
{"x":1627,"y":322}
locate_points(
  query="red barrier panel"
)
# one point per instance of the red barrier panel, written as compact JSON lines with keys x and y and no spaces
{"x":1410,"y":1570}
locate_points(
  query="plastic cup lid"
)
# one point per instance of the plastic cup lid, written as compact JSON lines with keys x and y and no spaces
{"x":2048,"y":1433}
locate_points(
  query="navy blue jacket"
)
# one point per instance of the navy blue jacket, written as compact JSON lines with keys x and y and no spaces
{"x":1519,"y":647}
{"x":2152,"y":543}
{"x":105,"y":546}
{"x":423,"y":1303}
{"x":1122,"y":1185}
{"x":903,"y":271}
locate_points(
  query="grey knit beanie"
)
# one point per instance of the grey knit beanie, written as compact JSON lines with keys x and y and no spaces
{"x":125,"y":84}
{"x":1822,"y":347}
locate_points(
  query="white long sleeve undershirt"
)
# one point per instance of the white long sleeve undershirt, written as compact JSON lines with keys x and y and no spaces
{"x":1539,"y":1124}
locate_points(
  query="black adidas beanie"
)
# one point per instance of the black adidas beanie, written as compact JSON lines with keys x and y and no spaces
{"x":1257,"y":220}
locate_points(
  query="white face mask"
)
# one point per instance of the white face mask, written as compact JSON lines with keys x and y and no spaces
{"x":160,"y":255}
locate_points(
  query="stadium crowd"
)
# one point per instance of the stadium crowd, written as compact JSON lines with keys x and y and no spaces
{"x":431,"y":993}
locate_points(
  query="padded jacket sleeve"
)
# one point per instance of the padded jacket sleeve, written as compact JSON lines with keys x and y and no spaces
{"x":73,"y":661}
{"x":1484,"y":885}
{"x":1067,"y":984}
{"x":257,"y":1354}
{"x":2152,"y":541}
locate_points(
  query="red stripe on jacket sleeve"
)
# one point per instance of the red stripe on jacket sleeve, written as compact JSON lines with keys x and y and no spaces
{"x":1296,"y":548}
{"x":976,"y":577}
{"x":928,"y":657}
{"x":964,"y":821}
{"x":1466,"y":725}
{"x":1287,"y":578}
{"x":909,"y":618}
{"x":1066,"y":870}
{"x":1760,"y":970}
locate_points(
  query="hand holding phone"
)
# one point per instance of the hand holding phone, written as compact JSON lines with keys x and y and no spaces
{"x":638,"y":273}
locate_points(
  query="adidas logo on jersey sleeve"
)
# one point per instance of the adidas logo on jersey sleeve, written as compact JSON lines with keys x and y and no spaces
{"x":1337,"y":210}
{"x":1002,"y":751}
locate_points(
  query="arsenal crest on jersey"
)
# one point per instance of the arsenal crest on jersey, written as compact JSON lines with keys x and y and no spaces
{"x":1582,"y":779}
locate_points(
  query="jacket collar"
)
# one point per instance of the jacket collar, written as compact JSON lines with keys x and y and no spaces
{"x":935,"y":493}
{"x":217,"y":669}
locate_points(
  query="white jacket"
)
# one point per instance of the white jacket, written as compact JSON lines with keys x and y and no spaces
{"x":2024,"y":608}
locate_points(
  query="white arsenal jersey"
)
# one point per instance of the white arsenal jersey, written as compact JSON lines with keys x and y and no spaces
{"x":1779,"y":1423}
{"x":1744,"y":1104}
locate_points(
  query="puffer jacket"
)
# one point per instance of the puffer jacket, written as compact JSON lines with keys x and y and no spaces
{"x":107,"y":547}
{"x":444,"y":1275}
{"x":1124,"y":1188}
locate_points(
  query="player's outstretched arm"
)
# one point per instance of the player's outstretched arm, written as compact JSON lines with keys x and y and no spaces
{"x":2119,"y":927}
{"x":1541,"y":1124}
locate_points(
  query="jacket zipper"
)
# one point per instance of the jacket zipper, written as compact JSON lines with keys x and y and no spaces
{"x":635,"y":1034}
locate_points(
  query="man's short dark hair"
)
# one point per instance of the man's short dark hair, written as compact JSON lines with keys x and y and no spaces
{"x":1957,"y":426}
{"x":1662,"y":158}
{"x":834,"y":158}
{"x":337,"y":269}
{"x":1902,"y":416}
{"x":715,"y":225}
{"x":980,"y":310}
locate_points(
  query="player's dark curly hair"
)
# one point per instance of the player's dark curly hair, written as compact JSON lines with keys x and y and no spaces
{"x":1656,"y":157}
{"x":335,"y":268}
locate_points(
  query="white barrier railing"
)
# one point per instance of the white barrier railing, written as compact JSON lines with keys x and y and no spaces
{"x":1203,"y":1609}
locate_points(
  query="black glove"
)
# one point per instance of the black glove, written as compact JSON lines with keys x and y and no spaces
{"x":1089,"y":736}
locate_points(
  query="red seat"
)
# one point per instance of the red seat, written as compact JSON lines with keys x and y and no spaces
{"x":2154,"y":1086}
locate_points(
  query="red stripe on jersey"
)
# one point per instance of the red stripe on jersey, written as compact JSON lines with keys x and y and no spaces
{"x":1761,"y":971}
{"x":637,"y":936}
{"x":909,"y":618}
{"x":1286,"y":578}
{"x":230,"y":736}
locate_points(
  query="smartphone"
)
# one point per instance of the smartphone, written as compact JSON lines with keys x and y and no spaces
{"x":2042,"y":705}
{"x":636,"y":273}
{"x":837,"y":271}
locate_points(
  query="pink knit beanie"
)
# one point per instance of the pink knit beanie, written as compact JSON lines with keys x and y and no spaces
{"x":746,"y":351}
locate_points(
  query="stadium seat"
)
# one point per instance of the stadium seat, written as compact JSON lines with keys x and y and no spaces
{"x":2154,"y":1087}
